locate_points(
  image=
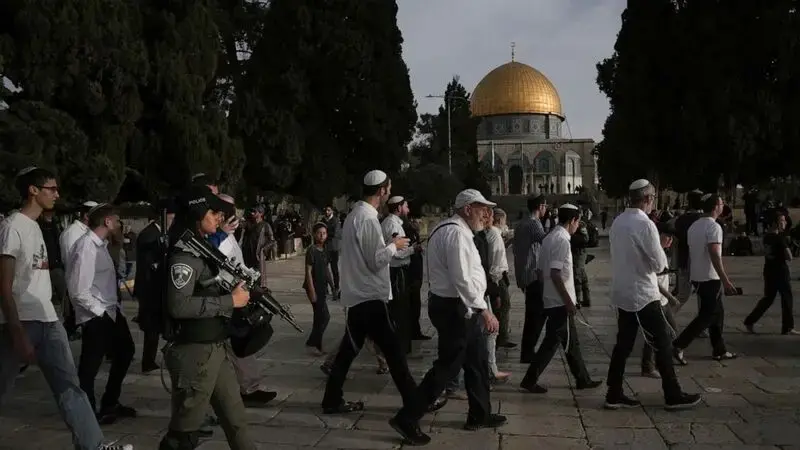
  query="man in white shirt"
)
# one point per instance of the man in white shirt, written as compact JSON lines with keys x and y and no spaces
{"x":392,"y":226}
{"x":92,"y":283}
{"x":636,"y":260}
{"x":708,"y":274}
{"x":254,"y":395}
{"x":499,"y":301}
{"x":66,"y":241}
{"x":555,"y":261}
{"x":29,"y":324}
{"x":365,"y":292}
{"x":456,"y":307}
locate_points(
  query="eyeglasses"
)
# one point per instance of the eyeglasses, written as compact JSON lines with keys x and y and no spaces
{"x":53,"y":189}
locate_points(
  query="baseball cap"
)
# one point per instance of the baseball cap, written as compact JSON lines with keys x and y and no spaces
{"x":470,"y":196}
{"x":197,"y":200}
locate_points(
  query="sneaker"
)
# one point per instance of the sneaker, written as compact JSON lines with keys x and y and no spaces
{"x":791,"y":332}
{"x":620,"y":401}
{"x":683,"y":401}
{"x":115,"y":446}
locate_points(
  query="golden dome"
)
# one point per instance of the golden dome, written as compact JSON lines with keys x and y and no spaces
{"x":515,"y":88}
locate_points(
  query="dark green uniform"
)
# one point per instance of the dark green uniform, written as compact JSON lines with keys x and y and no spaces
{"x":579,"y":244}
{"x":199,"y":356}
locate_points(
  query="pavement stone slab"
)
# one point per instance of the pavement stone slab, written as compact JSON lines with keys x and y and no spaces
{"x":751,"y":403}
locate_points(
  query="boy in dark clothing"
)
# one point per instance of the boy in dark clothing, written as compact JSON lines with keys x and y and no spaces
{"x":776,"y":275}
{"x":318,"y":278}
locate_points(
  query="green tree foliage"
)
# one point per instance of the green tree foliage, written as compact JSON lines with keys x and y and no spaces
{"x":77,"y":65}
{"x":701,"y":92}
{"x":325,"y":98}
{"x":434,"y":147}
{"x":310,"y":94}
{"x":180,"y":132}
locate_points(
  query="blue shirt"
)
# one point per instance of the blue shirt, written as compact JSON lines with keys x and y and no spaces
{"x":217,"y":238}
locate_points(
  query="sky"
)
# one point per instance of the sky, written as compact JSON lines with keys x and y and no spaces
{"x":563,"y":39}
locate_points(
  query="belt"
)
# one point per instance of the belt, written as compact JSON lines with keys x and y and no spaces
{"x":201,"y":331}
{"x":457,"y":299}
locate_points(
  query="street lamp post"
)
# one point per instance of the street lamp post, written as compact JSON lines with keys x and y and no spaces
{"x":447,"y":99}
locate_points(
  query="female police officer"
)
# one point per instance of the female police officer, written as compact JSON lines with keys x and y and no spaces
{"x":197,"y":314}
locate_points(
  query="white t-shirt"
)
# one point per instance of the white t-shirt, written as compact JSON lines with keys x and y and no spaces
{"x":21,"y":238}
{"x":556,"y":254}
{"x":703,"y":231}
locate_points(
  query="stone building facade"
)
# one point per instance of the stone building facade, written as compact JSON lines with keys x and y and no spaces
{"x":521,"y":144}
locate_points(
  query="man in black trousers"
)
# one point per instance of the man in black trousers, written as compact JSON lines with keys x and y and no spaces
{"x":528,"y":236}
{"x":456,"y":307}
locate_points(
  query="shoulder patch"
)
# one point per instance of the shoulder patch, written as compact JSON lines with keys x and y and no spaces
{"x":181,"y":274}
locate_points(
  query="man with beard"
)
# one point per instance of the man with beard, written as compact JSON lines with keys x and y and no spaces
{"x":636,"y":260}
{"x":147,"y":288}
{"x":366,"y":291}
{"x":257,"y":242}
{"x":392,"y":226}
{"x":457,"y":309}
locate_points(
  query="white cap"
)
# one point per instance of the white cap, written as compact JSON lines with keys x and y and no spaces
{"x":469,"y":196}
{"x":638,"y":184}
{"x":26,"y":170}
{"x":89,"y":204}
{"x":374,"y":177}
{"x":570,"y":206}
{"x":198,"y":175}
{"x":396,"y":199}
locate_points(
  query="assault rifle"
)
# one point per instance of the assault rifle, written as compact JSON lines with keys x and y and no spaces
{"x":262,"y":304}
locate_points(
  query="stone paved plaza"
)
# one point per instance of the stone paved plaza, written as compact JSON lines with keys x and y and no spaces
{"x":750,"y":403}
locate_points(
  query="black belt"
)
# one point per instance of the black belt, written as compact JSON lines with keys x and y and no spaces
{"x":456,"y":299}
{"x":201,"y":331}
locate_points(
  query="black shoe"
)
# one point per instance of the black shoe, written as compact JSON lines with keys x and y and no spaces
{"x":621,"y":401}
{"x":257,"y":399}
{"x":421,"y":337}
{"x":411,"y":433}
{"x":683,"y":401}
{"x":344,"y":408}
{"x":109,"y":414}
{"x":591,"y":384}
{"x":151,"y":367}
{"x":437,"y":404}
{"x":326,"y":369}
{"x":506,"y":344}
{"x":532,"y":388}
{"x":492,"y":421}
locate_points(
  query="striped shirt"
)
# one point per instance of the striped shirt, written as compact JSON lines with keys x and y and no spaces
{"x":528,"y":236}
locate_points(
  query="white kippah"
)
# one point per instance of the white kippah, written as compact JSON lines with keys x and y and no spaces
{"x":638,"y":184}
{"x":697,"y":191}
{"x":395,"y":199}
{"x":706,"y":197}
{"x":374,"y":177}
{"x":89,"y":204}
{"x":568,"y":206}
{"x":26,"y":170}
{"x":198,"y":175}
